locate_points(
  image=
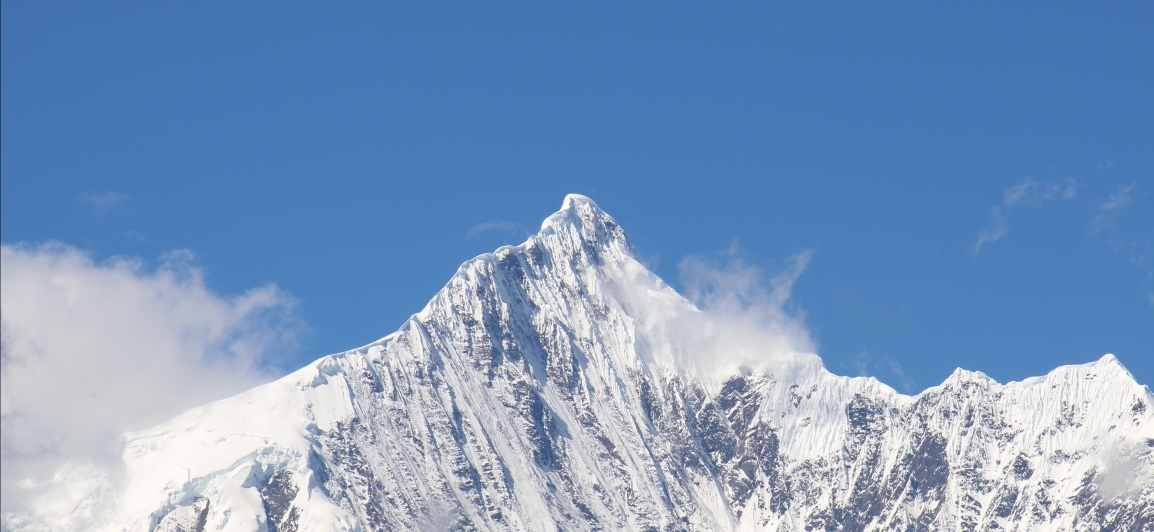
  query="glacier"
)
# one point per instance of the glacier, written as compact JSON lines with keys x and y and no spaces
{"x":561,"y":385}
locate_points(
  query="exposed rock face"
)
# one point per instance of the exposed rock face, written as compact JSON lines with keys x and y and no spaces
{"x":536,"y":391}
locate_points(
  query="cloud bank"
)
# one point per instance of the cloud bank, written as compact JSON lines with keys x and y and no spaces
{"x":91,"y":350}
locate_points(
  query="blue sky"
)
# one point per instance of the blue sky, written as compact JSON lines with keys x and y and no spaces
{"x":975,"y":181}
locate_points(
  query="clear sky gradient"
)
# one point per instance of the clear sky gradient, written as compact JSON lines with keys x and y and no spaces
{"x":976,"y":182}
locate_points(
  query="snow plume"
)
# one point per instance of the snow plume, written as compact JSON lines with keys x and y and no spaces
{"x":737,"y":288}
{"x":748,"y":320}
{"x":91,"y":350}
{"x":737,"y":319}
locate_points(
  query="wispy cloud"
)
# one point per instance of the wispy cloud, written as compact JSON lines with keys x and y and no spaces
{"x":1107,"y":211}
{"x":738,"y":285}
{"x":882,"y":367}
{"x":502,"y":226}
{"x":1107,"y":225}
{"x":91,"y":350}
{"x":1112,"y":207}
{"x":1120,"y":197}
{"x":1025,"y":192}
{"x":103,"y":202}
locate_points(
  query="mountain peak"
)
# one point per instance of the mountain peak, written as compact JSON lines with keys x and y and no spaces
{"x":576,"y":210}
{"x":574,"y":200}
{"x":581,"y":222}
{"x":1107,"y":360}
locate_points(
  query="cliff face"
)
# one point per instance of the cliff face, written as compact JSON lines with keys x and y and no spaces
{"x":543,"y":388}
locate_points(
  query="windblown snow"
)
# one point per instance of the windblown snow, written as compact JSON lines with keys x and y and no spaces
{"x":556,"y":385}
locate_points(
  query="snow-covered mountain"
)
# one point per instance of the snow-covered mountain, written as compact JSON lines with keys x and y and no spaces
{"x":555,"y":385}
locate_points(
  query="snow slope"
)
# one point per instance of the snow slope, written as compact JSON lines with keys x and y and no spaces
{"x":553,"y":386}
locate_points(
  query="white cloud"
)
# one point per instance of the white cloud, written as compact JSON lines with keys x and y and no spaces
{"x":734,"y":318}
{"x":737,"y":287}
{"x":1120,"y":477}
{"x":741,"y":318}
{"x":91,"y":350}
{"x":1123,"y":473}
{"x":103,"y":202}
{"x":1024,"y":192}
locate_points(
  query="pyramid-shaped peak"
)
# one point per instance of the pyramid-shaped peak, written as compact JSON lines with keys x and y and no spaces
{"x":581,"y":224}
{"x":1111,"y":365}
{"x":1108,"y":363}
{"x":581,"y":212}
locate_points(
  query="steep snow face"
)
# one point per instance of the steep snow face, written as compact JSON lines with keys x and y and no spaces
{"x":557,"y":385}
